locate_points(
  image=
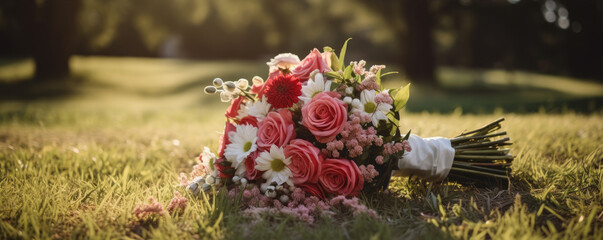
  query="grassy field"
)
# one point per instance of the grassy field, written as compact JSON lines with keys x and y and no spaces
{"x":76,"y":157}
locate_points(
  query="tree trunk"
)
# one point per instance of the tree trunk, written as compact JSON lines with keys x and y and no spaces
{"x":419,"y":60}
{"x":51,"y":29}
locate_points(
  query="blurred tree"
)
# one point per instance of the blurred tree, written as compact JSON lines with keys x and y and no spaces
{"x":49,"y":29}
{"x":419,"y":59}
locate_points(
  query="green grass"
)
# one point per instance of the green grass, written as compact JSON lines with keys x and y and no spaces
{"x":75,"y":164}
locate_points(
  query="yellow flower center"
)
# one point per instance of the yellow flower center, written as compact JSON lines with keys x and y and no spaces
{"x":247,"y":146}
{"x":370,"y":107}
{"x":277,"y":165}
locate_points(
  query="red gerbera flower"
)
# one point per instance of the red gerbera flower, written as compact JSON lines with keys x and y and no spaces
{"x":283,"y":91}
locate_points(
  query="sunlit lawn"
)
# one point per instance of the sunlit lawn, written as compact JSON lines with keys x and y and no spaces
{"x":76,"y":157}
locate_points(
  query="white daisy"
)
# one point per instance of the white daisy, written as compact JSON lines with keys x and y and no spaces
{"x":243,"y":110}
{"x":315,"y":85}
{"x":242,"y":143}
{"x":259,"y":109}
{"x":275,"y":165}
{"x":207,"y":159}
{"x":241,"y":171}
{"x":368,"y":105}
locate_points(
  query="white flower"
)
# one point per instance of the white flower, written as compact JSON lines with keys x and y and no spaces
{"x":259,"y":109}
{"x":242,"y":143}
{"x":347,"y":100}
{"x":207,"y":159}
{"x":243,"y":111}
{"x":315,"y":85}
{"x":283,"y":61}
{"x":368,"y":105}
{"x":349,"y":91}
{"x":275,"y":165}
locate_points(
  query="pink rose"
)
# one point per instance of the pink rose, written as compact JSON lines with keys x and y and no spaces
{"x":327,"y":57}
{"x":275,"y":129}
{"x":229,"y":127}
{"x":341,"y":177}
{"x":324,"y":116}
{"x":252,"y":173}
{"x":313,"y":189}
{"x":283,"y":61}
{"x":305,"y":161}
{"x":233,"y":109}
{"x":313,"y":61}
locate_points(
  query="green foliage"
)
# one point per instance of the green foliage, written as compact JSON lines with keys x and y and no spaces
{"x":342,"y":52}
{"x":400,"y":96}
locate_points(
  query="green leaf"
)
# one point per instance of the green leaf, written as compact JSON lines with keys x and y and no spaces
{"x":342,"y":53}
{"x":334,"y":85}
{"x":406,"y":136}
{"x":394,"y":129}
{"x":334,"y":75}
{"x":335,"y":63}
{"x":387,"y":73}
{"x":327,"y":49}
{"x":347,"y":73}
{"x":400,"y":97}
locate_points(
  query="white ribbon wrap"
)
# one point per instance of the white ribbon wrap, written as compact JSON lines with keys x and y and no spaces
{"x":430,"y":158}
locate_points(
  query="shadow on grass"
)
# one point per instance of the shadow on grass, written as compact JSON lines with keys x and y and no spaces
{"x":493,"y":99}
{"x":34,"y":89}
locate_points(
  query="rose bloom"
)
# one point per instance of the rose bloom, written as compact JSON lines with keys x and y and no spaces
{"x":275,"y":129}
{"x":327,"y":56}
{"x":234,"y":107}
{"x":341,"y":177}
{"x":306,"y":161}
{"x":252,"y":173}
{"x":313,"y":61}
{"x":229,"y":127}
{"x":283,"y":61}
{"x":324,"y":116}
{"x":313,"y":189}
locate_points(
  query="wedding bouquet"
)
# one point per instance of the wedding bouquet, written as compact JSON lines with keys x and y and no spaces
{"x":321,"y":128}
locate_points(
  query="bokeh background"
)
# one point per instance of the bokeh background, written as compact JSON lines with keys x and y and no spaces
{"x":465,"y":56}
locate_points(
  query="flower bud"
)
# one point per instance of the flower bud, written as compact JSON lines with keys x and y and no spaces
{"x":347,"y":100}
{"x":218,"y":82}
{"x":210,"y":90}
{"x":236,"y":179}
{"x":356,"y":103}
{"x":192,"y":187}
{"x":243,"y":182}
{"x":230,"y":86}
{"x":257,"y":80}
{"x":349,"y":90}
{"x":210,"y":180}
{"x":199,"y":180}
{"x":270,"y":192}
{"x":225,"y":96}
{"x":242,"y":83}
{"x":284,"y":198}
{"x":206,"y":187}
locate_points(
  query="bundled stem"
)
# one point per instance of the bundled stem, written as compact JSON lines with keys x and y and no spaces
{"x":479,"y":157}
